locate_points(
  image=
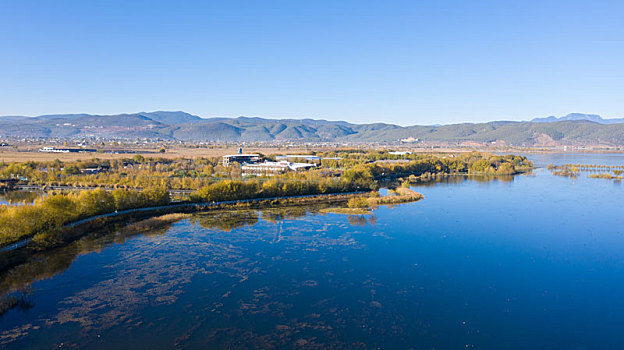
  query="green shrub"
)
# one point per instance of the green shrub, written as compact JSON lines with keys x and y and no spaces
{"x":358,"y":202}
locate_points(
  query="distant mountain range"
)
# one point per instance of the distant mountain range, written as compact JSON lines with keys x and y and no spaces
{"x":573,"y":129}
{"x":579,"y":116}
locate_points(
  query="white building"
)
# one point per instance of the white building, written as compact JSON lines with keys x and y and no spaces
{"x":52,"y":150}
{"x":240,"y":158}
{"x":306,"y":157}
{"x":272,"y":168}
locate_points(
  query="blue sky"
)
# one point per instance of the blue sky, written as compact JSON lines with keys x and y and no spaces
{"x":404,"y":62}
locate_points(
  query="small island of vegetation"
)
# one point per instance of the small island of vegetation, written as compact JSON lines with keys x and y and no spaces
{"x":364,"y":204}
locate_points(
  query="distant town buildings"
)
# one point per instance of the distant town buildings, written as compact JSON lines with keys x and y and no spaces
{"x":66,"y":150}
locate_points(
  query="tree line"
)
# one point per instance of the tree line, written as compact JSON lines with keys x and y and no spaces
{"x":55,"y":210}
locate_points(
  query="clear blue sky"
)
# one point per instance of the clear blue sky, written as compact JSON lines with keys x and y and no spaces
{"x":405,"y":62}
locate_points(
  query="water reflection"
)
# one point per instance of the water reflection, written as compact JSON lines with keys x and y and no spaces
{"x":276,"y":215}
{"x":19,"y":197}
{"x":15,"y":281}
{"x":459,"y":179}
{"x":357,"y":220}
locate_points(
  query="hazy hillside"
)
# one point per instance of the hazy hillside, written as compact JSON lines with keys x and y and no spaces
{"x":578,"y":117}
{"x":571,"y":129}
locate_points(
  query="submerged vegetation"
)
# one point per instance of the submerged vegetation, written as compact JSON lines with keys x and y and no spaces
{"x":155,"y":222}
{"x":140,"y":182}
{"x":16,"y":280}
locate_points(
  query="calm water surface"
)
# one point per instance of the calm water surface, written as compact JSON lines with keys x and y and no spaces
{"x":532,"y":262}
{"x":19,"y":197}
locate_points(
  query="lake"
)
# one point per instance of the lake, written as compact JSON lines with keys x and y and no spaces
{"x":529,"y":262}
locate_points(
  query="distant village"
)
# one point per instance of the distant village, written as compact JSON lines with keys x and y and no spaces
{"x":66,"y":150}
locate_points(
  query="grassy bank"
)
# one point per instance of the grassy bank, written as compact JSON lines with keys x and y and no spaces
{"x":364,"y":204}
{"x":397,"y":196}
{"x":52,"y":212}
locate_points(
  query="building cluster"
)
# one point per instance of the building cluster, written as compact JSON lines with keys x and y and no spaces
{"x":95,"y":170}
{"x":253,"y":164}
{"x":66,"y":150}
{"x":298,"y":157}
{"x":241,"y":159}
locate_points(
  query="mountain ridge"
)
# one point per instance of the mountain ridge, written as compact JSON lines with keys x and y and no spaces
{"x":574,"y":128}
{"x":579,"y":117}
